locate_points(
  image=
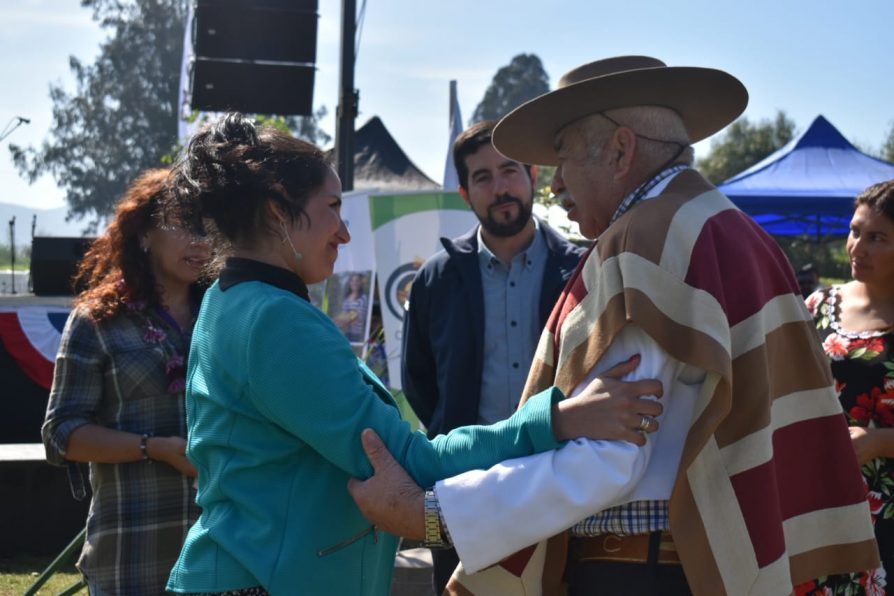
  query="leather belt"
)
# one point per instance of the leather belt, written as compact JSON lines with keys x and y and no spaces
{"x":622,"y":549}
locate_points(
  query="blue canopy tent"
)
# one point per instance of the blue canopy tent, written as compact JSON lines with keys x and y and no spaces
{"x":807,"y":187}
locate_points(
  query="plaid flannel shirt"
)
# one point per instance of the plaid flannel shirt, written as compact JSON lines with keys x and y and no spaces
{"x":113,"y":373}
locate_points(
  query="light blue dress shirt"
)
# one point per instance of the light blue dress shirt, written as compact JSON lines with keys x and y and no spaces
{"x":511,"y":324}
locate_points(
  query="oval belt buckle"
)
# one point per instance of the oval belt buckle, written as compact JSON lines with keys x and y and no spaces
{"x":610,"y":549}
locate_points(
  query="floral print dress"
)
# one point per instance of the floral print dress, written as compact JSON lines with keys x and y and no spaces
{"x":863,"y":366}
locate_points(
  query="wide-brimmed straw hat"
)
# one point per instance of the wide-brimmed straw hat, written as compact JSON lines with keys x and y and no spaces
{"x":705,"y":98}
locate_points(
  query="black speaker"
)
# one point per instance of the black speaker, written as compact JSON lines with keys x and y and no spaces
{"x":54,"y":261}
{"x":220,"y":86}
{"x":255,"y":56}
{"x":256,"y":31}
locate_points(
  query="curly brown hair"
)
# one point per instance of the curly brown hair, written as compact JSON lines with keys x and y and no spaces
{"x":232,"y":168}
{"x":470,"y":141}
{"x":115,"y":271}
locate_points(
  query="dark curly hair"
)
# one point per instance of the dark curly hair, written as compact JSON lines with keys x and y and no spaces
{"x":878,"y":197}
{"x":470,"y":141}
{"x":230,"y":170}
{"x":115,"y":271}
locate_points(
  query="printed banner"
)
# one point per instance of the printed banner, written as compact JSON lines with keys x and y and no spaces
{"x":407,"y":229}
{"x":347,"y":295}
{"x":357,"y":255}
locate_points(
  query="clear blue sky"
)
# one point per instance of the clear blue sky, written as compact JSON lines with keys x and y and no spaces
{"x":806,"y":57}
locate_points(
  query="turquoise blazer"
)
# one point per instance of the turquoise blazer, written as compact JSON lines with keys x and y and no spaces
{"x":276,"y":401}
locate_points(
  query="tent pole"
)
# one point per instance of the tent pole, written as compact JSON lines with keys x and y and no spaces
{"x":348,"y":97}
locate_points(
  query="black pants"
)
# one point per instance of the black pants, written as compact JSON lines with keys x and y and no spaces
{"x":444,"y":561}
{"x":606,"y":578}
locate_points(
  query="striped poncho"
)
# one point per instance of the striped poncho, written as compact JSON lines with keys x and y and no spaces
{"x":752,"y":510}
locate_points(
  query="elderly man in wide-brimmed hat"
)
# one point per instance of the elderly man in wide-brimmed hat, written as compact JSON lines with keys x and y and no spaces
{"x":732,"y":494}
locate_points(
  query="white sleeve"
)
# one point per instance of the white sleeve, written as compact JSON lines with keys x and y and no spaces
{"x":493,"y":513}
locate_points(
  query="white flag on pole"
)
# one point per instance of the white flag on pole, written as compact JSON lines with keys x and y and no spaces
{"x":184,"y":127}
{"x":451,"y":182}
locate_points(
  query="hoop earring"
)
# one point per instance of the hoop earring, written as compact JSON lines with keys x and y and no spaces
{"x":286,"y":238}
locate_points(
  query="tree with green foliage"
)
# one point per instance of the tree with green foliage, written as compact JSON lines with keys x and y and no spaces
{"x":122,"y":117}
{"x":22,"y":257}
{"x":888,"y":147}
{"x":828,"y":256}
{"x":305,"y":127}
{"x":543,"y":188}
{"x":744,"y":144}
{"x":522,"y":79}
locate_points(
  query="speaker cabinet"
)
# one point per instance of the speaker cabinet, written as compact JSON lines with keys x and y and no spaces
{"x":220,"y":85}
{"x":254,"y":56}
{"x":256,"y":31}
{"x":54,"y":261}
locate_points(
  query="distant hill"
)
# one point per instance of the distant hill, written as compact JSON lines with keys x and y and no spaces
{"x":50,"y":222}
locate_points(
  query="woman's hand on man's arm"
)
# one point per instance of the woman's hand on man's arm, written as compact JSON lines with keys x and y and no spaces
{"x":610,"y":409}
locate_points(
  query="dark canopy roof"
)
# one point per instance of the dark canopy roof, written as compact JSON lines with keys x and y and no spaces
{"x":808,"y":186}
{"x":380,"y":163}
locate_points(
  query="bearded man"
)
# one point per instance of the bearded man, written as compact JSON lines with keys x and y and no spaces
{"x":477,"y":308}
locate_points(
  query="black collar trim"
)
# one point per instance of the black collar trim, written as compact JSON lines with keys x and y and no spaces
{"x":237,"y":270}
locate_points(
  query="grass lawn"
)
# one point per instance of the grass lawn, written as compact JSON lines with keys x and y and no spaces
{"x":18,"y":573}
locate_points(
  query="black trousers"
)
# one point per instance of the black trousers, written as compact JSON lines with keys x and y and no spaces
{"x":607,"y":578}
{"x":444,"y":561}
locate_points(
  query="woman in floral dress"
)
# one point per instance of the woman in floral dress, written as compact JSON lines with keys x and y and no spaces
{"x":856,"y":323}
{"x":118,"y":391}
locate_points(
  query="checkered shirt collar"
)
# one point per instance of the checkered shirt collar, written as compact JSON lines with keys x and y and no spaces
{"x":642,"y":191}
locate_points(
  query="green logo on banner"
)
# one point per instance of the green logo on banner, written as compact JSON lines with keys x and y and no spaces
{"x":385,"y":208}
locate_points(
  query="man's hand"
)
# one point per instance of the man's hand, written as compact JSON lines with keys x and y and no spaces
{"x":610,"y":409}
{"x":389,"y":498}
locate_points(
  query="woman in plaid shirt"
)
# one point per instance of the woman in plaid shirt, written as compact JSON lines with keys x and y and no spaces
{"x":118,"y":388}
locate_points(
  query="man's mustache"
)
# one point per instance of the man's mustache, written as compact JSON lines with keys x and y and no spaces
{"x":504,"y":200}
{"x":565,"y":201}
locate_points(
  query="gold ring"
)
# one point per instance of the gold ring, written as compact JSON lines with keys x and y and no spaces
{"x":645,"y":423}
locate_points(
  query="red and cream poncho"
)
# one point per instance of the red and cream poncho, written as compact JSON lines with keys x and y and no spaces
{"x":752,"y":511}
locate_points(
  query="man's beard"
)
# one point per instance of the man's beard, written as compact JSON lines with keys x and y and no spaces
{"x":505,"y":229}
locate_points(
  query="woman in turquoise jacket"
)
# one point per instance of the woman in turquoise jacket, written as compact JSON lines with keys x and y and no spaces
{"x":276,"y":401}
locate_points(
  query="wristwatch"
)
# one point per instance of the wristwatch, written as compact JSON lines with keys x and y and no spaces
{"x":434,"y":537}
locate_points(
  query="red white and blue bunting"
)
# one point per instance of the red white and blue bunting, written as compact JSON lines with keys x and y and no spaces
{"x":31,"y":335}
